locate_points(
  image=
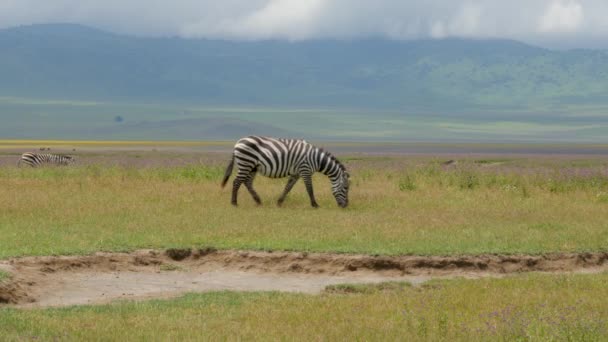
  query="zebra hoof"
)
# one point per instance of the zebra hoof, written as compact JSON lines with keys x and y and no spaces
{"x":315,"y":205}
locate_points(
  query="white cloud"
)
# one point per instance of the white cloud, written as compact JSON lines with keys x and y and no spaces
{"x":562,"y":17}
{"x":290,"y":19}
{"x":467,"y":20}
{"x":574,"y":21}
{"x":438,"y":30}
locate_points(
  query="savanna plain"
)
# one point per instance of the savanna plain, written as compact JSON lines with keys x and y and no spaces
{"x":125,"y":196}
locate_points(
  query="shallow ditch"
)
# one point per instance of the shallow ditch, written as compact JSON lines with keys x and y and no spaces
{"x":104,"y":277}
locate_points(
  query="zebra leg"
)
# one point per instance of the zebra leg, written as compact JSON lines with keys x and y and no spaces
{"x":290,"y":183}
{"x":308,"y":182}
{"x":249,"y":185}
{"x":235,"y":189}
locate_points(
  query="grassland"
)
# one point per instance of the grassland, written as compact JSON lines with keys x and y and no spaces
{"x":529,"y":307}
{"x":61,"y":119}
{"x":11,"y":143}
{"x":397,"y":207}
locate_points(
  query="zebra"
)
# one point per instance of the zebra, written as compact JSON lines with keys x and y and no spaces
{"x":38,"y":159}
{"x":279,"y":158}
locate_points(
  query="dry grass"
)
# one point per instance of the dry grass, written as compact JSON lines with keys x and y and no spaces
{"x":10,"y":143}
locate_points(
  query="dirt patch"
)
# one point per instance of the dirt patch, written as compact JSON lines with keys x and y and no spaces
{"x":13,"y":293}
{"x":103,"y":277}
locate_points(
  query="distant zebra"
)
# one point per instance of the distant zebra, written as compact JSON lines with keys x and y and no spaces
{"x":278,"y":158}
{"x":39,"y":159}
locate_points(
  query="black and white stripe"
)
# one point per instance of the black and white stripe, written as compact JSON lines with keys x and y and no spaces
{"x":278,"y":158}
{"x":38,"y":159}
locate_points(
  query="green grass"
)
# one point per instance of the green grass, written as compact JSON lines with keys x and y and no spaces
{"x":60,"y":119}
{"x":4,"y":276}
{"x":367,"y":288}
{"x":527,"y":307}
{"x":398,"y":206}
{"x":395,"y":209}
{"x":170,"y":267}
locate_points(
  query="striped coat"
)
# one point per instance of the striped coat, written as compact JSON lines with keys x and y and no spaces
{"x":38,"y":159}
{"x":278,"y":158}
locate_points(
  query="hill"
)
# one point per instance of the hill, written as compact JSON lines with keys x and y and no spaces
{"x":75,"y":62}
{"x":68,"y":81}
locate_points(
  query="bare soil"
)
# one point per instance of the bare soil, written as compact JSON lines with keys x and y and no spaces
{"x":104,"y":277}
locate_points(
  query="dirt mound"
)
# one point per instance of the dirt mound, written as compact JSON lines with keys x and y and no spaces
{"x":11,"y":290}
{"x":102,"y":277}
{"x":13,"y":293}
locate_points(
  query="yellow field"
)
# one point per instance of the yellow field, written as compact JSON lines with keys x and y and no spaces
{"x":8,"y":143}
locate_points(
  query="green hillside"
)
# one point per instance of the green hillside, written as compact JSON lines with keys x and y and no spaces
{"x":69,"y":61}
{"x":62,"y":81}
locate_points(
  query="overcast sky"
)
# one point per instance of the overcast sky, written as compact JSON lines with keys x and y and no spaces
{"x":552,"y":23}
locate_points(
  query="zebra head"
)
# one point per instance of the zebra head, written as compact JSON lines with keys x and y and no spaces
{"x":340,"y":189}
{"x":69,"y":160}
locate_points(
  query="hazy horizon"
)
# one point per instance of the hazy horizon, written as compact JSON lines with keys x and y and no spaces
{"x":547,"y":23}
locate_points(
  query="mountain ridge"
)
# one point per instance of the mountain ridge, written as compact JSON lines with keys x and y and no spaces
{"x":78,"y":62}
{"x":68,"y":81}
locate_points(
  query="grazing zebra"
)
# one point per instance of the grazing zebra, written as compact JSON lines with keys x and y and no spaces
{"x":278,"y":158}
{"x":37,"y":159}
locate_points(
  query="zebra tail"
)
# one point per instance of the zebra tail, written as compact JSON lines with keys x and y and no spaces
{"x":228,"y":171}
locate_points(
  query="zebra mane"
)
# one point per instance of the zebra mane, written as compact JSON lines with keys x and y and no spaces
{"x":333,"y":158}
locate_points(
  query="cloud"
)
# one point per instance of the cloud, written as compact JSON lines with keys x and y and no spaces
{"x":289,"y":19}
{"x":562,"y":17}
{"x":466,"y":22}
{"x":566,"y":22}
